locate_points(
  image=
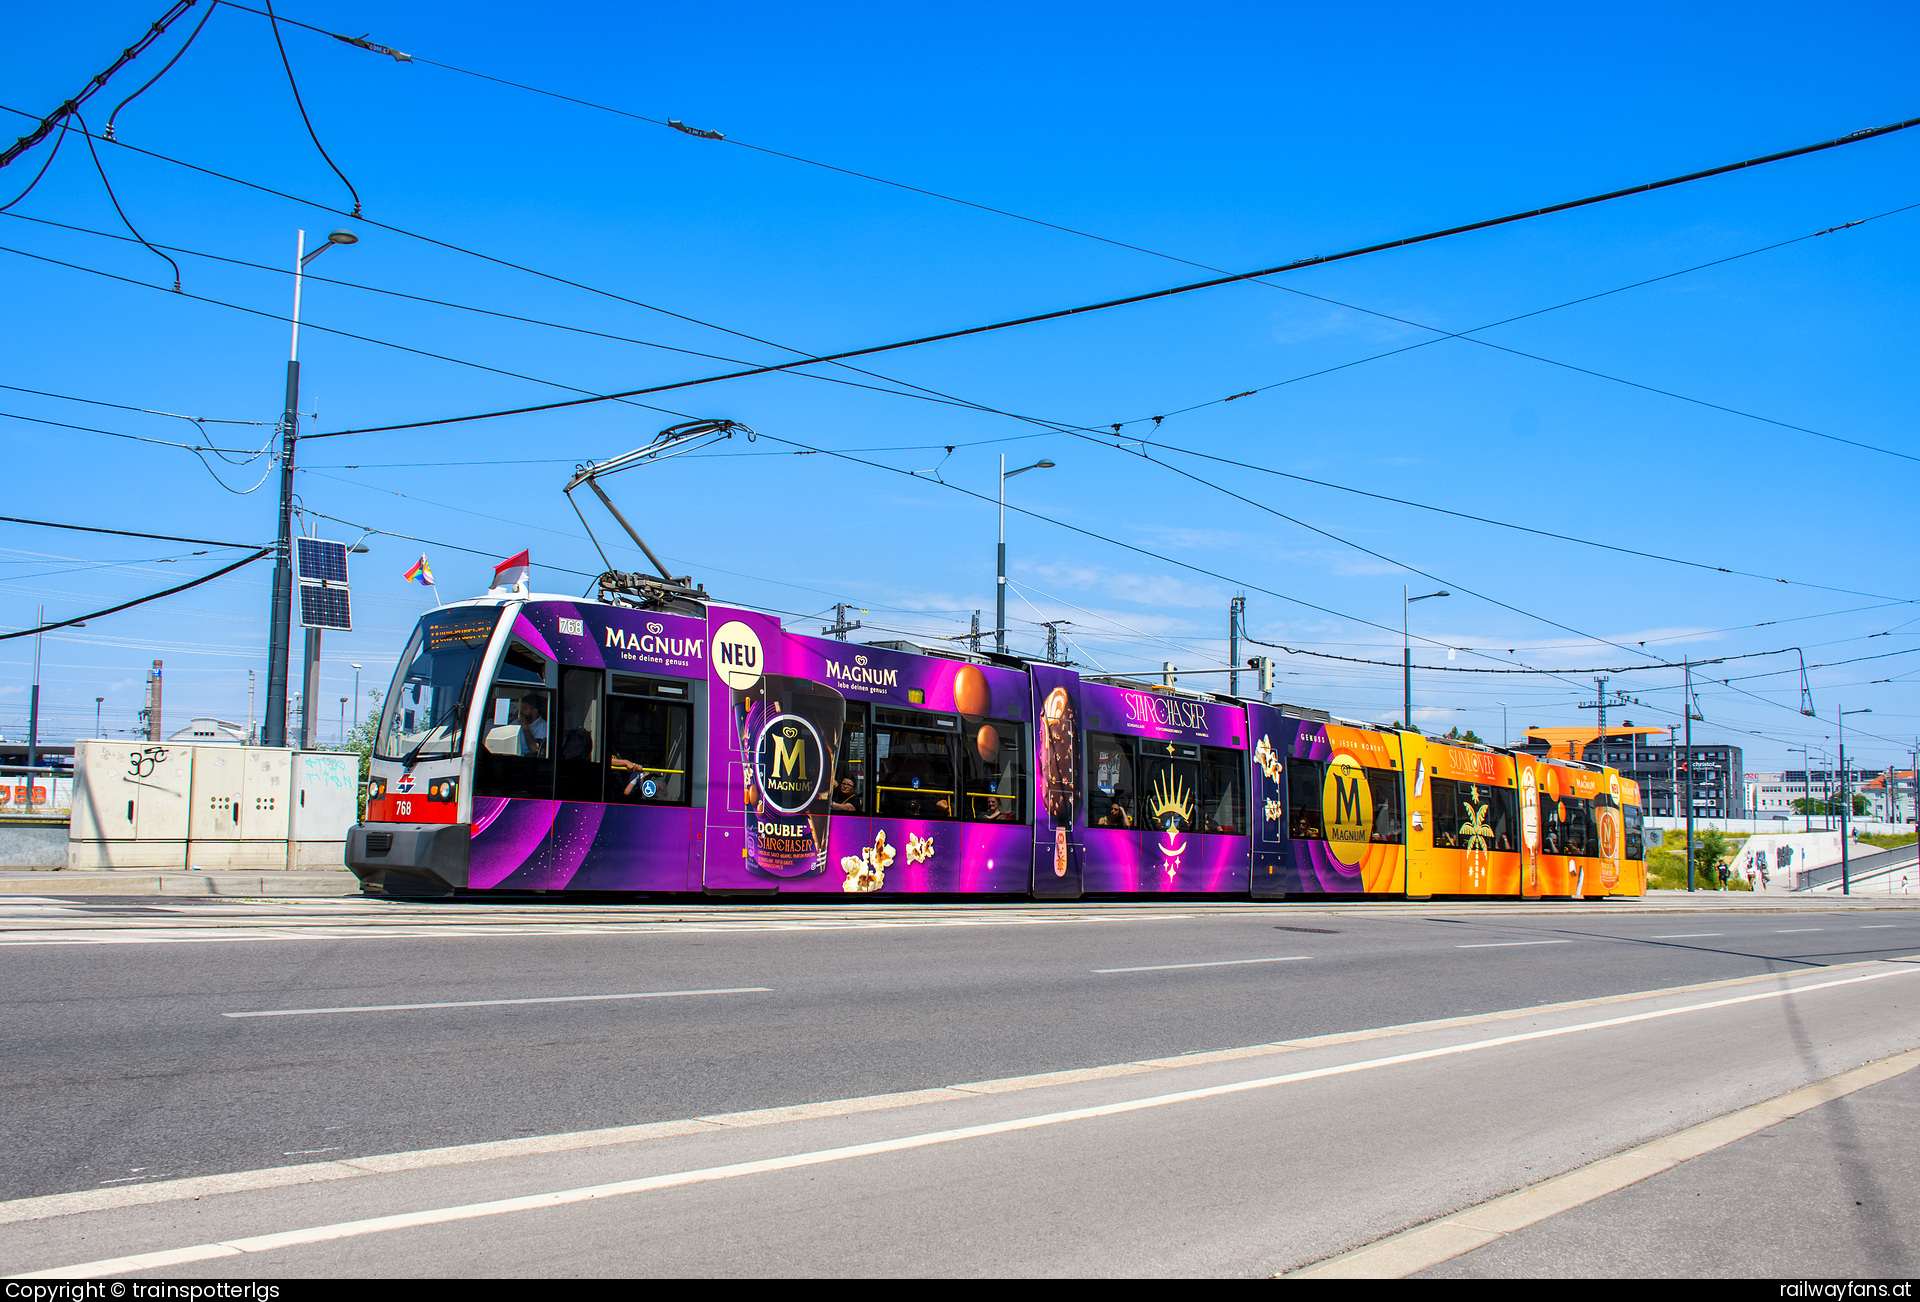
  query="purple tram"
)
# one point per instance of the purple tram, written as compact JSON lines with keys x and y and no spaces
{"x":536,"y":743}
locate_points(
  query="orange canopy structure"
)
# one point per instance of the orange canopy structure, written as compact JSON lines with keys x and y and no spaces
{"x":1569,"y":743}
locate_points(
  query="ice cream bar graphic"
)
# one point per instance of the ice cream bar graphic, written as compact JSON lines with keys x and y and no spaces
{"x":790,"y":730}
{"x":1059,"y":769}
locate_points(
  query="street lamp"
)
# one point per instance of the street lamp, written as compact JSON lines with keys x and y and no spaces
{"x":96,"y":715}
{"x":356,"y":695}
{"x":343,"y":723}
{"x":1846,"y":800}
{"x":1503,"y":723}
{"x":280,"y":630}
{"x":1406,"y":646}
{"x":1000,"y":588}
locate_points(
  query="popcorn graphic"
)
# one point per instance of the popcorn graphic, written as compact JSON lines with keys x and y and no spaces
{"x":868,"y":872}
{"x":919,"y":849}
{"x":1274,"y":810}
{"x":1268,"y":759}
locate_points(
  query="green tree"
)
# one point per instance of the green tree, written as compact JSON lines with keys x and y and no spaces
{"x":360,"y":742}
{"x":1809,"y":805}
{"x":1715,"y":849}
{"x":1456,"y":735}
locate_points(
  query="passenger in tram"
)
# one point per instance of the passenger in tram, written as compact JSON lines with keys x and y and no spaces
{"x":625,"y":765}
{"x":995,"y":812}
{"x":1116,"y":816}
{"x":845,"y":798}
{"x":533,"y":724}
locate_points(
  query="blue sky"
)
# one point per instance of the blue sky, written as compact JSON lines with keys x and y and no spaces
{"x":1232,"y":136}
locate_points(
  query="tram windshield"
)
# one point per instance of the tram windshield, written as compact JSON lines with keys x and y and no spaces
{"x":425,"y":714}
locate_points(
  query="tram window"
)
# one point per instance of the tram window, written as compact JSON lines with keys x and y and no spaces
{"x":1389,"y":827}
{"x":1567,"y":826}
{"x":1636,"y":847}
{"x":851,"y":766}
{"x":521,"y":665}
{"x":649,"y":743}
{"x":1172,"y":794}
{"x":1304,"y":779}
{"x":991,"y":770}
{"x":514,"y":756}
{"x":1223,"y":793}
{"x":1112,"y":792}
{"x":1466,"y":812}
{"x":913,"y":773}
{"x":425,"y":713}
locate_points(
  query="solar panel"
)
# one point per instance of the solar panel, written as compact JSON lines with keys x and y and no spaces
{"x":325,"y":608}
{"x":319,"y":561}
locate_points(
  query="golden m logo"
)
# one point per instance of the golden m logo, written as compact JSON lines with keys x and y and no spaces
{"x":1346,"y":801}
{"x":789,"y":757}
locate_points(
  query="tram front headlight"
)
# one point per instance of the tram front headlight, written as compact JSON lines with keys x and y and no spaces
{"x":376,"y":788}
{"x":447,"y":789}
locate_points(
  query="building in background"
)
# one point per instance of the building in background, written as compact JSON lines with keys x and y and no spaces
{"x":1773,"y":795}
{"x":1659,"y":767}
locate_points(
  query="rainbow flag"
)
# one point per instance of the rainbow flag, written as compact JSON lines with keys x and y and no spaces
{"x":420,"y":573}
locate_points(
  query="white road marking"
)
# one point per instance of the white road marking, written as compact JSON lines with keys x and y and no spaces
{"x":171,"y":931}
{"x":490,"y":1003}
{"x":1508,"y":944}
{"x":1225,"y":962}
{"x":676,"y":1179}
{"x":1688,"y":935}
{"x":1782,"y":931}
{"x":1879,"y":926}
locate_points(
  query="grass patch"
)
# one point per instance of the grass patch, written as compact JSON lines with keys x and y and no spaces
{"x":1889,"y":840}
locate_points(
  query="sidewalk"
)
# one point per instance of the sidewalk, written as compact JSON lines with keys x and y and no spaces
{"x":1833,"y":1193}
{"x":324,"y":883}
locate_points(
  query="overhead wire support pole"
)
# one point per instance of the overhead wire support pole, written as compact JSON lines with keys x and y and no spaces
{"x":273,"y":728}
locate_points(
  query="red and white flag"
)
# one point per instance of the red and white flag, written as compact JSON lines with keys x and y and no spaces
{"x":513,"y":572}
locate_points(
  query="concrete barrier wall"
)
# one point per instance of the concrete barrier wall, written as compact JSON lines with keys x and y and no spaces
{"x":1756,"y":826}
{"x":32,"y":845}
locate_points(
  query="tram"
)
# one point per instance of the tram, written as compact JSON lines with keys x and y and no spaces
{"x":655,"y":741}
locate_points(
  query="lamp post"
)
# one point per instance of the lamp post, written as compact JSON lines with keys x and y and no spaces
{"x":356,"y":695}
{"x":1000,"y":588}
{"x":280,"y":627}
{"x":97,"y":702}
{"x":1503,"y":723}
{"x":1846,"y":800}
{"x":1406,"y":648}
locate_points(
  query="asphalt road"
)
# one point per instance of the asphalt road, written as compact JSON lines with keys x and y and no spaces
{"x":123,"y":1062}
{"x":1244,"y":1163}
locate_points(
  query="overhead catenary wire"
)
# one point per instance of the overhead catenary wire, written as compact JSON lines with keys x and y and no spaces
{"x":345,"y":334}
{"x":100,"y":79}
{"x":484,"y":257}
{"x":107,"y":131}
{"x":122,"y":533}
{"x":300,"y":104}
{"x":1465,"y":336}
{"x":139,"y":601}
{"x":113,"y":198}
{"x":1470,"y":516}
{"x":1154,"y":295}
{"x":1104,"y":439}
{"x":914,"y":392}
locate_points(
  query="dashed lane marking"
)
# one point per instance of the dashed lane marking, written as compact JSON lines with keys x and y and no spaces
{"x":1224,"y":962}
{"x":492,"y":1003}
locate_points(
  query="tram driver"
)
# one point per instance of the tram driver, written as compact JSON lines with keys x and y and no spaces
{"x":533,"y":725}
